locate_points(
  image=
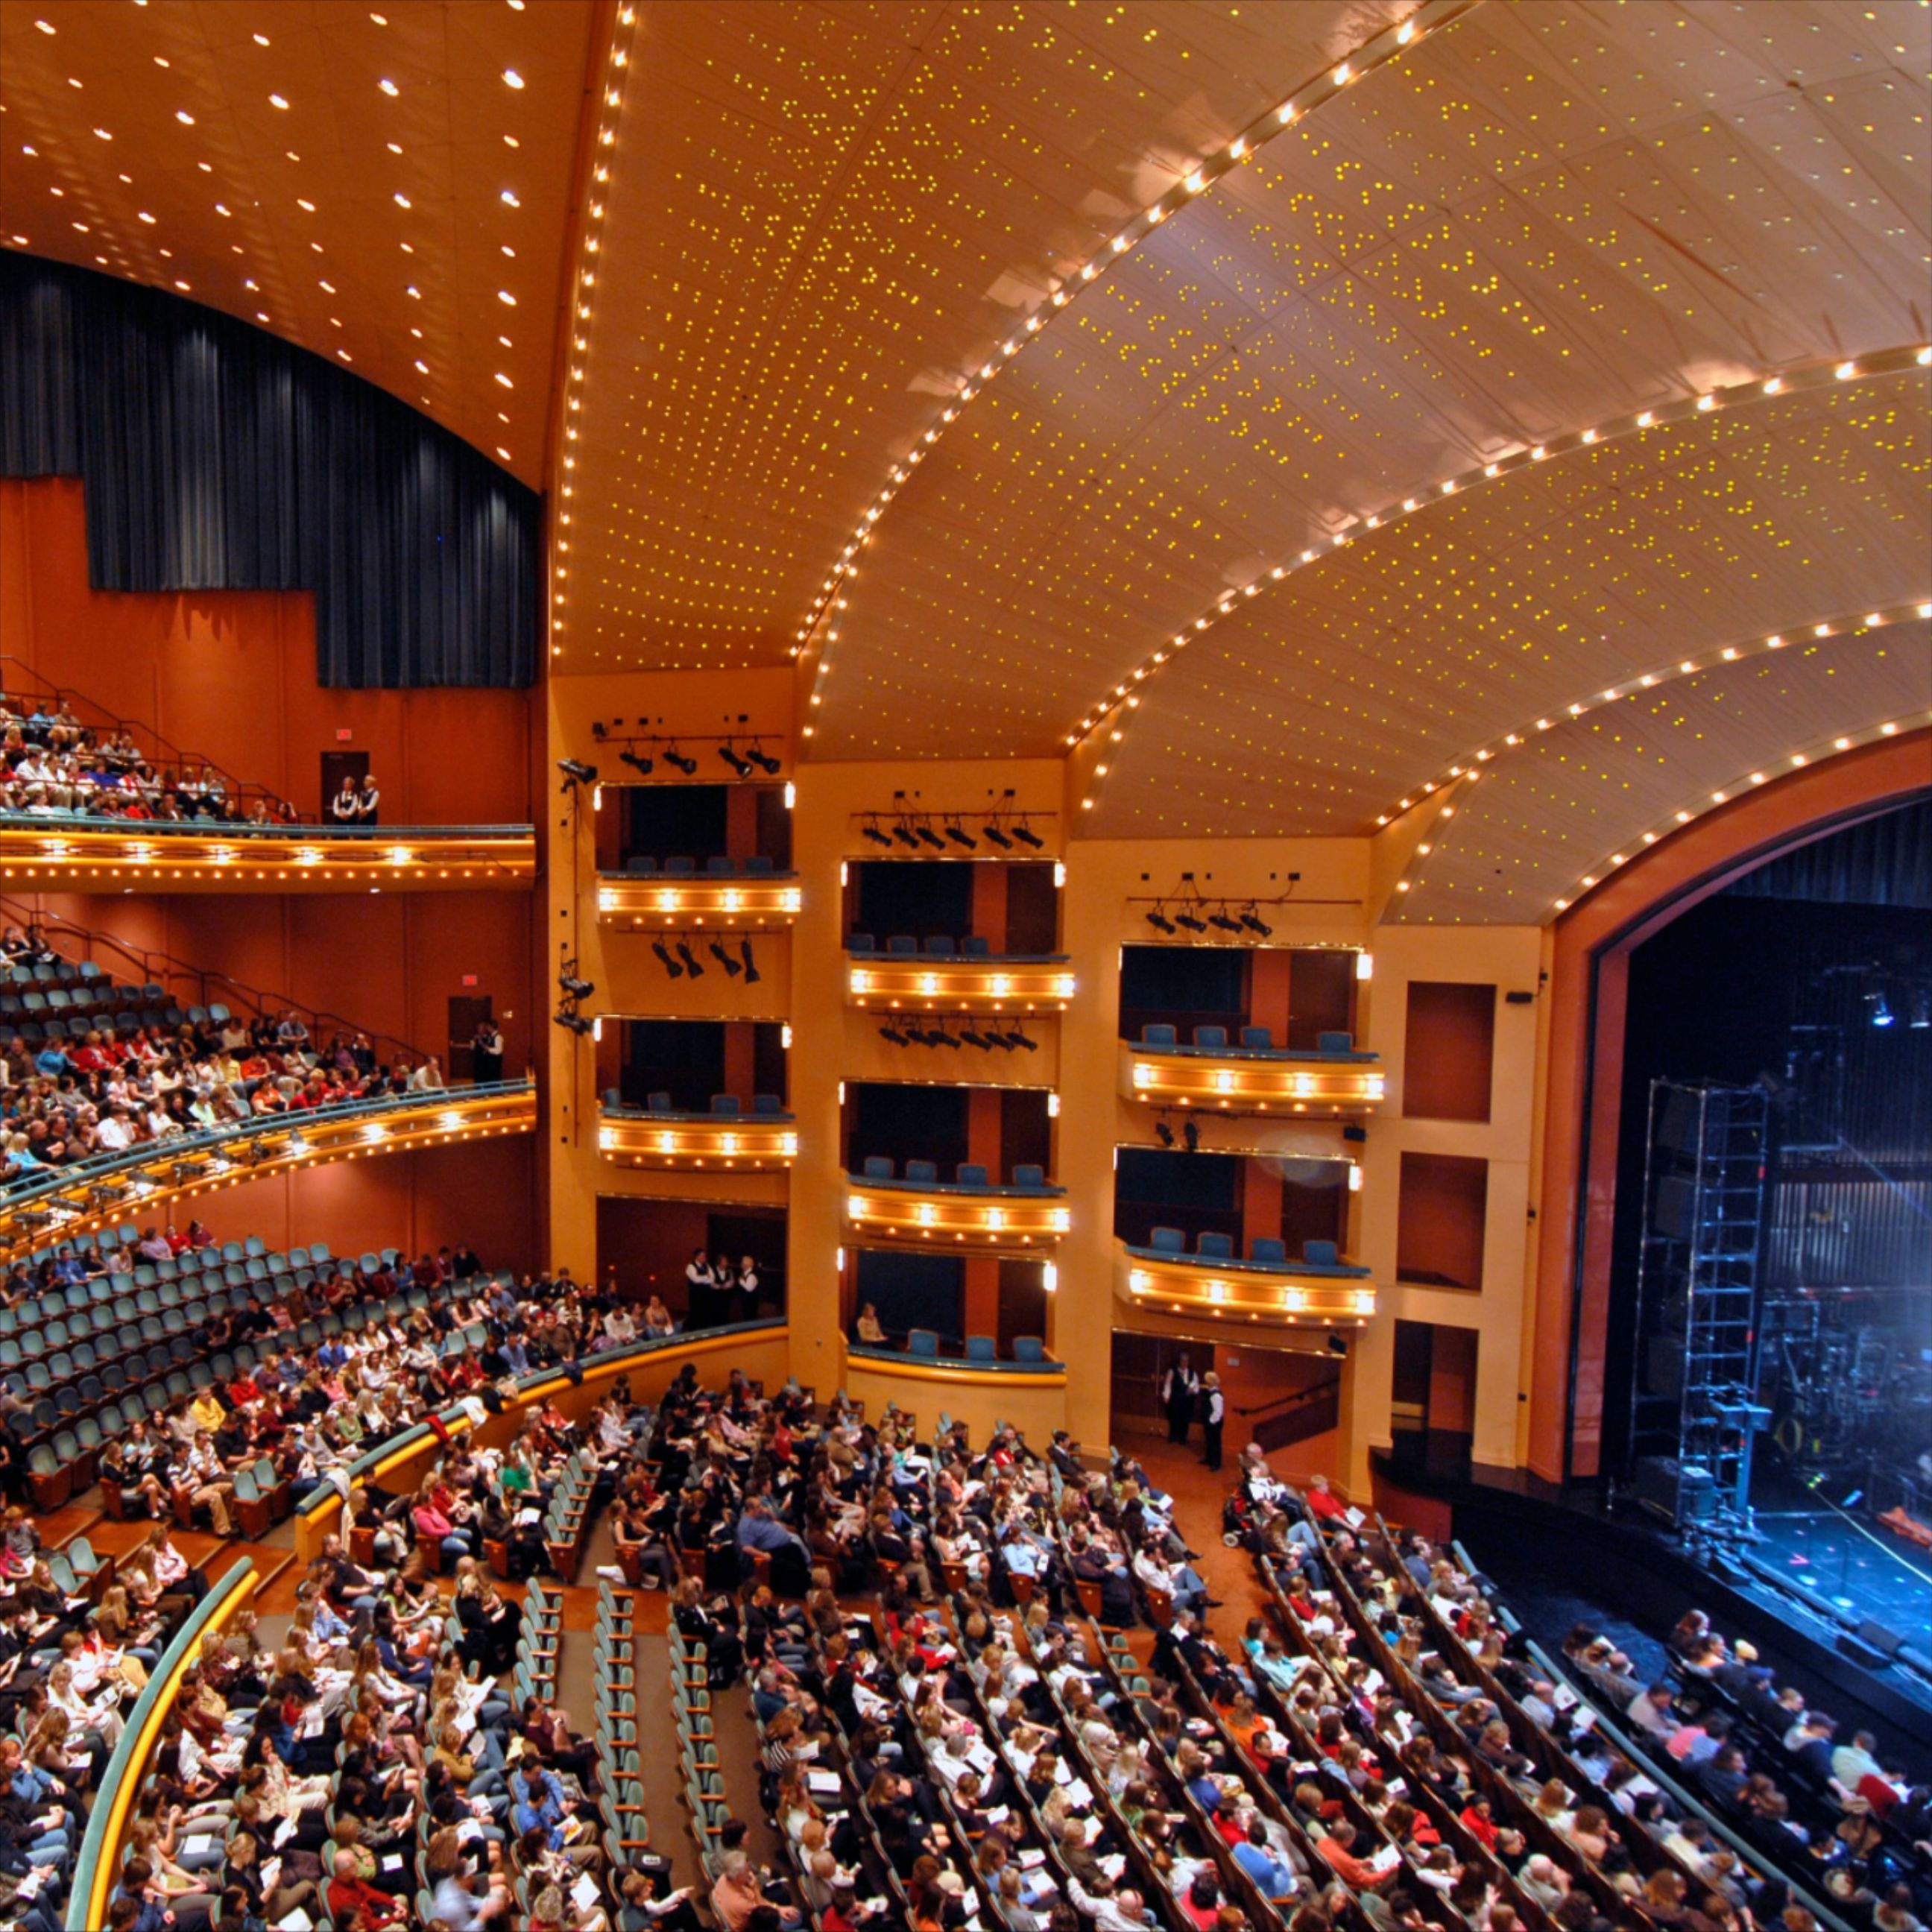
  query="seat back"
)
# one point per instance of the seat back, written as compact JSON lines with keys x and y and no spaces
{"x":923,"y":1342}
{"x":922,"y":1170}
{"x":1167,"y":1241}
{"x":1266,"y":1249}
{"x":1215,"y":1037}
{"x":1219,"y":1247}
{"x":1159,"y":1033}
{"x":1027,"y":1175}
{"x":1320,"y":1254}
{"x":1029,"y":1348}
{"x":982,"y":1348}
{"x":971,"y":1174}
{"x":877,"y":1168}
{"x":1335,"y":1043}
{"x":1258,"y":1040}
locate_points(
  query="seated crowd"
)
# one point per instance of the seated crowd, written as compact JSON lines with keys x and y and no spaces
{"x":64,"y":1101}
{"x":52,"y":766}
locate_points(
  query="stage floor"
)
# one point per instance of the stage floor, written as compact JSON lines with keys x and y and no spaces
{"x":1858,"y":1566}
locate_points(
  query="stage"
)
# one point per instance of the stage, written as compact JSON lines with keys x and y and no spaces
{"x":1856,"y":1567}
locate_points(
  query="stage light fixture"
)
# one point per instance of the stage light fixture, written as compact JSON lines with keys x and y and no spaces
{"x":1253,"y":921}
{"x":973,"y":1036}
{"x":945,"y":1039}
{"x":872,"y":832}
{"x":1882,"y":1014}
{"x":891,"y":1031}
{"x":1163,"y":1133}
{"x":997,"y":834}
{"x":576,"y":988}
{"x":960,"y":835}
{"x":1160,"y":921}
{"x":905,"y":834}
{"x":674,"y":757}
{"x":575,"y":1023}
{"x":642,"y":763}
{"x":752,"y":975}
{"x":729,"y":753}
{"x":763,"y":760}
{"x":1020,"y":1039}
{"x":1027,"y":836}
{"x":1189,"y":920}
{"x":664,"y":959}
{"x":690,"y":959}
{"x":576,"y":772}
{"x":1222,"y":922}
{"x":732,"y":968}
{"x":927,"y":836}
{"x":995,"y":1037}
{"x":1190,"y":1135}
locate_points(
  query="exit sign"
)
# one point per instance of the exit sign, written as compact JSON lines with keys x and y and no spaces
{"x":470,"y":979}
{"x":343,"y":734}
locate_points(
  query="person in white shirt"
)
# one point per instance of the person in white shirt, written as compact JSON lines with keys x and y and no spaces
{"x":620,"y":1326}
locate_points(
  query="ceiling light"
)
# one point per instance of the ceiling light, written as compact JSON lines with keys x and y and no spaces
{"x":402,"y":201}
{"x":276,"y":101}
{"x":261,"y":40}
{"x":504,"y":295}
{"x":504,"y":380}
{"x":389,"y":87}
{"x":183,"y":117}
{"x":511,"y":78}
{"x":510,"y":200}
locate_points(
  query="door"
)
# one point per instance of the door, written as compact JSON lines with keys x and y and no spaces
{"x":467,"y":1012}
{"x":337,"y":765}
{"x":1140,"y":1362}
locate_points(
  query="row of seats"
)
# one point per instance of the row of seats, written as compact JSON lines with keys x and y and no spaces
{"x":620,"y":1802}
{"x":724,"y":1106}
{"x":1253,"y":1039}
{"x":567,"y":1523}
{"x":938,"y":945}
{"x":1264,"y":1251}
{"x":1029,"y":1351}
{"x":968,"y":1174}
{"x":703,"y":1779}
{"x":754,"y":866}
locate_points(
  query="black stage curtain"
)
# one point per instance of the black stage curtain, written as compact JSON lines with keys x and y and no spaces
{"x":217,"y":457}
{"x":1885,"y":861}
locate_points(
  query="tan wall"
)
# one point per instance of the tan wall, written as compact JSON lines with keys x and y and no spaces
{"x":980,"y":1402}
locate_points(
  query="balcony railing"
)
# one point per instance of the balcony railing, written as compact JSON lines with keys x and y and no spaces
{"x":957,"y":982}
{"x":72,"y":1200}
{"x":43,"y":854}
{"x":974,"y":1216}
{"x":1256,"y":1077}
{"x":1283,"y":1294}
{"x":733,"y":1143}
{"x":740,"y":900}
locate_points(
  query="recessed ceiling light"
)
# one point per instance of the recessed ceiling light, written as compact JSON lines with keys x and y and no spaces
{"x":424,"y":366}
{"x":379,"y":19}
{"x":392,"y":147}
{"x":182,"y":287}
{"x":500,"y":450}
{"x":510,"y":199}
{"x":143,"y":215}
{"x":402,"y":201}
{"x":102,"y":134}
{"x":276,"y":101}
{"x":45,"y":26}
{"x":511,"y":141}
{"x":504,"y":380}
{"x":509,"y":251}
{"x":389,"y":87}
{"x":261,"y":40}
{"x":183,"y":117}
{"x":309,"y":204}
{"x":511,"y":78}
{"x":504,"y":295}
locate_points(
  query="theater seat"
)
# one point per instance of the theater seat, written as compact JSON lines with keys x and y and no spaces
{"x":878,"y":1168}
{"x":1167,"y":1241}
{"x":657,"y":1103}
{"x":923,"y":1342}
{"x":1159,"y":1034}
{"x":1265,"y":1248}
{"x":613,"y":1098}
{"x":982,"y":1348}
{"x":939,"y":946}
{"x":758,"y":866}
{"x":1029,"y":1348}
{"x":971,"y":1174}
{"x":1027,"y":1175}
{"x":925,"y":1172}
{"x":641,"y":867}
{"x":1320,"y":1254}
{"x":1258,"y":1040}
{"x":680,"y":868}
{"x":1335,"y":1043}
{"x":976,"y":946}
{"x":767,"y":1103}
{"x":725,"y":1105}
{"x":902,"y":945}
{"x":860,"y":942}
{"x":1215,"y":1038}
{"x":721,"y":869}
{"x":1216,"y":1247}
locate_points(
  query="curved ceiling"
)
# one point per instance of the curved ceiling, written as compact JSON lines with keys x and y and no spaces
{"x":362,"y":180}
{"x":1546,"y":824}
{"x":1543,"y":217}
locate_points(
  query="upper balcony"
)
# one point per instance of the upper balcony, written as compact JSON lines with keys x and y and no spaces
{"x":94,"y":855}
{"x":1321,"y":1290}
{"x":61,"y":1202}
{"x":970,"y":1214}
{"x":969,"y":978}
{"x":1253,"y":1076}
{"x":729,"y":896}
{"x":727,"y":1139}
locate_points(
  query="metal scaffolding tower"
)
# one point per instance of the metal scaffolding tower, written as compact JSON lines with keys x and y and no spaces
{"x":1698,"y":1297}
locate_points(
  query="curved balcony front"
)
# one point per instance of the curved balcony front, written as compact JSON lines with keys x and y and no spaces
{"x":1283,"y":1295}
{"x":1333,"y":1080}
{"x":732,"y":1143}
{"x":89,"y":854}
{"x":1009,"y":984}
{"x":734,"y":901}
{"x":954,"y":1217}
{"x":71,"y":1200}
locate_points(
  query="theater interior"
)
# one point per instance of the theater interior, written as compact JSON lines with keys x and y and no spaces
{"x":823,"y":820}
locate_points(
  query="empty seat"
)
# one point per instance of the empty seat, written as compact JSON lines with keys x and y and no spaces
{"x":1335,"y":1043}
{"x":1159,"y":1034}
{"x":923,"y":1342}
{"x":639,"y":866}
{"x":1258,"y":1040}
{"x":1320,"y":1254}
{"x":659,"y":1102}
{"x":922,"y":1171}
{"x":976,"y":946}
{"x":720,"y":868}
{"x":758,"y":866}
{"x":1027,"y":1175}
{"x":1215,"y":1038}
{"x":612,"y":1098}
{"x":860,"y":942}
{"x":767,"y":1103}
{"x":971,"y":1174}
{"x":680,"y":868}
{"x":725,"y":1104}
{"x":1167,"y":1241}
{"x":1029,"y":1348}
{"x":902,"y":944}
{"x":1216,"y":1247}
{"x":877,"y":1168}
{"x":940,"y":946}
{"x":982,"y":1348}
{"x":1268,"y":1250}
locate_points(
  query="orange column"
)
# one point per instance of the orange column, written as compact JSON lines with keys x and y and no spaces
{"x":989,"y":906}
{"x":981,"y":1301}
{"x":1260,"y":1200}
{"x":1267,"y":993}
{"x":741,"y":821}
{"x":740,"y":1077}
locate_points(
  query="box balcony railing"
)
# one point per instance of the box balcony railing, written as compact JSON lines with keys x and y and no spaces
{"x":726,"y":1139}
{"x":728,"y":896}
{"x":970,"y":1214}
{"x":968,"y":977}
{"x":1319,"y":1290}
{"x":1251,"y":1075}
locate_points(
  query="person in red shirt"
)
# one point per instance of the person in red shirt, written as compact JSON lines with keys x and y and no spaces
{"x":1320,"y":1502}
{"x":1358,"y":1874}
{"x":348,"y":1895}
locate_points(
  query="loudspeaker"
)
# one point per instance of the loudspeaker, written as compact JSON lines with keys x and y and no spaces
{"x":1879,"y":1638}
{"x":1677,"y":1124}
{"x":1673,"y":1208}
{"x":1862,"y":1654}
{"x":1685,"y":1492}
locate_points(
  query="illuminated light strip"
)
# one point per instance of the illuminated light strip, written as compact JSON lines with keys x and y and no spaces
{"x":1847,"y":623}
{"x":1391,"y":41}
{"x":583,"y":302}
{"x":1108,"y":713}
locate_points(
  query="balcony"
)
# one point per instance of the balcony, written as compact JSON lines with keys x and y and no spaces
{"x":973,"y":980}
{"x":90,"y":855}
{"x":730,"y":896}
{"x":74,"y":1200}
{"x":1320,"y":1291}
{"x":1253,"y":1077}
{"x":971,"y":1214}
{"x":726,"y":1140}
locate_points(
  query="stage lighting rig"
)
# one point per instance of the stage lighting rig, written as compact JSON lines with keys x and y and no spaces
{"x":731,"y":966}
{"x":960,"y":836}
{"x":642,"y":763}
{"x":752,"y":975}
{"x":763,"y":760}
{"x":1160,"y":921}
{"x":1190,"y":1135}
{"x":664,"y":959}
{"x":573,"y":1022}
{"x":871,"y":831}
{"x":729,"y":753}
{"x":1222,"y":922}
{"x":677,"y":759}
{"x":1027,"y":836}
{"x":1193,"y":924}
{"x":1163,"y":1132}
{"x":576,"y":772}
{"x":690,"y":959}
{"x":1253,"y":921}
{"x":573,"y":989}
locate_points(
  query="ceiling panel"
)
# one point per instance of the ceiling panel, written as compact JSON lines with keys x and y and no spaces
{"x":378,"y":228}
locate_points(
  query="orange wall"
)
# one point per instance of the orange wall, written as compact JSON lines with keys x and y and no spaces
{"x":231,"y":674}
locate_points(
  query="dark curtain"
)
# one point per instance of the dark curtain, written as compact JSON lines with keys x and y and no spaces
{"x":1884,"y":861}
{"x":217,"y":457}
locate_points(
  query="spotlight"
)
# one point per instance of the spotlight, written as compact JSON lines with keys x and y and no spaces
{"x":752,"y":975}
{"x":763,"y":760}
{"x":576,"y":988}
{"x":742,"y":767}
{"x":1221,"y":920}
{"x":995,"y":1037}
{"x":1253,"y":921}
{"x":664,"y":959}
{"x":642,"y":763}
{"x":1338,"y":1345}
{"x":872,"y":832}
{"x":997,"y":834}
{"x":905,"y":834}
{"x":576,"y":771}
{"x":1921,"y":1008}
{"x":1190,"y":1134}
{"x":890,"y":1031}
{"x":1164,"y":1133}
{"x":1160,"y":921}
{"x":1021,"y":1039}
{"x":732,"y":968}
{"x":1027,"y":836}
{"x":674,"y":757}
{"x":960,"y":835}
{"x":690,"y":959}
{"x":971,"y":1033}
{"x":575,"y":1023}
{"x":945,"y":1038}
{"x":927,"y":836}
{"x":1881,"y":1013}
{"x":1189,"y":920}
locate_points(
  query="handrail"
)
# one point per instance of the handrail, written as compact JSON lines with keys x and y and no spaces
{"x":171,"y":753}
{"x":54,"y":823}
{"x":969,"y":1189}
{"x":39,"y":923}
{"x":98,"y":1863}
{"x":1295,"y":1401}
{"x":958,"y":1369}
{"x":88,"y":1174}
